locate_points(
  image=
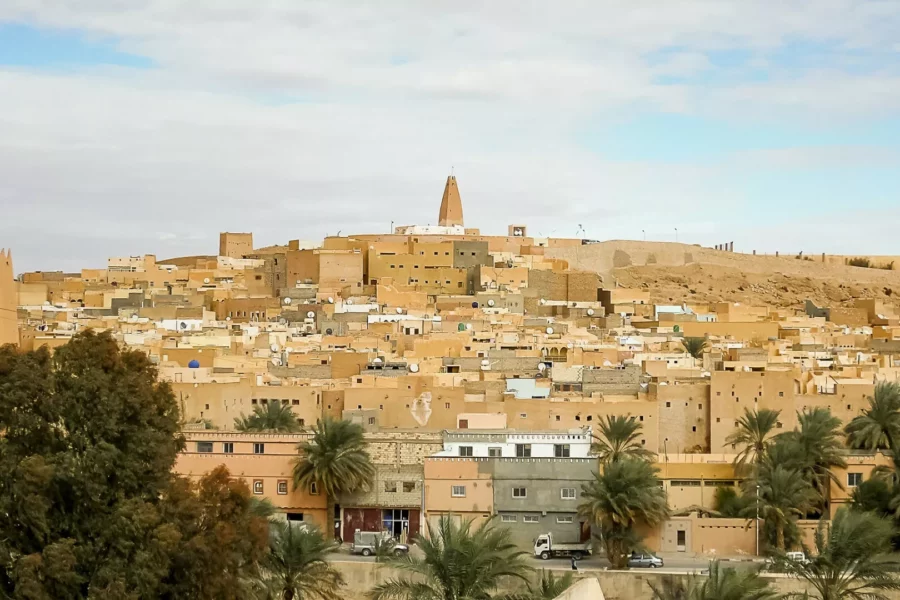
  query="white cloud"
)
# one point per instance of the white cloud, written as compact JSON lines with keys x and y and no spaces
{"x":297,"y":119}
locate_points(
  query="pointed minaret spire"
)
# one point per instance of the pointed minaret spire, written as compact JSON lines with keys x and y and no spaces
{"x":451,"y":205}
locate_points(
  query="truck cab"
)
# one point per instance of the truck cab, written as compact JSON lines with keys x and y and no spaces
{"x":545,"y":547}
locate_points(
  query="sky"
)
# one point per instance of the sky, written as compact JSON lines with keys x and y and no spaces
{"x":149,"y":126}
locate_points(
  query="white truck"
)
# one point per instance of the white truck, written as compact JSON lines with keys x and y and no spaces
{"x":546,"y":547}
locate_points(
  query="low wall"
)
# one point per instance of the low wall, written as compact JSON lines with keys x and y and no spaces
{"x":615,"y":585}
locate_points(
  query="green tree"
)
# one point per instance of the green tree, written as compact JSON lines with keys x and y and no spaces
{"x":297,"y":566}
{"x":878,"y":427}
{"x":782,"y":496}
{"x":458,"y":562}
{"x":272,"y":416}
{"x":626,"y":494}
{"x":548,"y":587}
{"x":695,"y":346}
{"x":619,"y":437}
{"x":728,"y":503}
{"x":816,"y":448}
{"x":721,"y":584}
{"x":754,"y":435}
{"x":89,"y":506}
{"x":852,"y":559}
{"x":335,"y":461}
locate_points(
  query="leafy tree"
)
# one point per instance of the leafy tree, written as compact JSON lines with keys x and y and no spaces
{"x":548,"y":587}
{"x":695,"y":346}
{"x":816,"y":448}
{"x":459,"y":562}
{"x":852,"y":559}
{"x":721,"y":584}
{"x":754,"y":435}
{"x":297,"y":566}
{"x":627,"y":493}
{"x":89,"y":507}
{"x":782,"y":497}
{"x":619,"y":437}
{"x":878,"y":427}
{"x":873,"y":495}
{"x":728,"y":503}
{"x":273,"y":416}
{"x":336,"y":461}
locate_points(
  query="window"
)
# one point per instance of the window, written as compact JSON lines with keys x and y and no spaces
{"x":854,"y":479}
{"x":561,"y":450}
{"x":568,"y":519}
{"x":458,"y":491}
{"x":204,"y":446}
{"x":523,"y":450}
{"x":301,"y":422}
{"x":390,"y":486}
{"x":228,"y":447}
{"x":282,"y":487}
{"x":314,"y":489}
{"x":409,"y":486}
{"x":781,"y":394}
{"x":508,"y":518}
{"x":257,"y":486}
{"x":463,"y":424}
{"x":495,"y":452}
{"x":295,"y":403}
{"x":668,"y":405}
{"x":531,"y":519}
{"x":685,"y":483}
{"x":259,"y":448}
{"x":567,"y":493}
{"x":519,"y":492}
{"x":465,"y":450}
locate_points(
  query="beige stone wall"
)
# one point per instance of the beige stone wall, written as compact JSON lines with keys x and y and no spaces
{"x":733,"y":391}
{"x":235,"y":245}
{"x":9,"y":333}
{"x":683,"y":416}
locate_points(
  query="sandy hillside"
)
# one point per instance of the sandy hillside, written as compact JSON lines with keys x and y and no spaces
{"x":679,"y":272}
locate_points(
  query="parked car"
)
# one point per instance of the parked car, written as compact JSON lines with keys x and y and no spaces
{"x":648,"y":561}
{"x":367,"y":543}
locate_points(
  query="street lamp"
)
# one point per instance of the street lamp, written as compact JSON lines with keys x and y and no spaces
{"x":676,"y":235}
{"x":644,"y":231}
{"x":757,"y":519}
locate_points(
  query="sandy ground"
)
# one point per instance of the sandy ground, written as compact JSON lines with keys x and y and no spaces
{"x":674,"y":273}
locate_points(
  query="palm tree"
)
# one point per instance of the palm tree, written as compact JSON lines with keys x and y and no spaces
{"x":273,"y":416}
{"x":783,"y":497}
{"x":619,"y":437}
{"x":627,"y":493}
{"x":459,"y":562}
{"x":754,"y":435}
{"x":296,"y":566}
{"x":878,"y":426}
{"x":721,"y":584}
{"x":817,"y":449}
{"x":728,"y":503}
{"x":852,"y":559}
{"x":695,"y":346}
{"x":549,"y":587}
{"x":335,"y":461}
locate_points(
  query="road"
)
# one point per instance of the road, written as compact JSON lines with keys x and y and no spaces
{"x":674,"y":563}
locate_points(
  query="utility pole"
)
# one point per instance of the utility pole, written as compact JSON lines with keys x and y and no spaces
{"x":757,"y":519}
{"x":676,"y":235}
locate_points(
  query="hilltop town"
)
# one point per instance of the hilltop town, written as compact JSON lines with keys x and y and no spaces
{"x":483,"y":367}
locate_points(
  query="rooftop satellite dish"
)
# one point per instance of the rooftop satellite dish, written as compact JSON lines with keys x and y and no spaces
{"x":282,"y":321}
{"x":485,"y":363}
{"x":227,"y":318}
{"x":542,"y":367}
{"x":590,"y":312}
{"x":330,"y":300}
{"x":349,"y":300}
{"x":329,"y":331}
{"x":606,"y":363}
{"x":490,"y":302}
{"x":206,"y":280}
{"x":549,"y":331}
{"x":287,"y":300}
{"x":543,"y":301}
{"x":274,"y":347}
{"x":310,"y":315}
{"x":183,"y":325}
{"x":414,"y":368}
{"x":377,"y":361}
{"x":399,"y":311}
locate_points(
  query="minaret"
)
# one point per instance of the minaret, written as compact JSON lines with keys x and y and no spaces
{"x":451,"y":205}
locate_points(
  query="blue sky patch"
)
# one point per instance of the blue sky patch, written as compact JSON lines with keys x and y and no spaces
{"x":26,"y":46}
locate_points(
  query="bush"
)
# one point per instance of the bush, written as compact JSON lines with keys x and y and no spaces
{"x":860,"y":261}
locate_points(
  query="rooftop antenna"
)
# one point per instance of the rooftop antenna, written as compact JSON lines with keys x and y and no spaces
{"x":451,"y":170}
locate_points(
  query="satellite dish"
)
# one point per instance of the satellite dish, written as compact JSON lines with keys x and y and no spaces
{"x":490,"y":302}
{"x":399,"y":311}
{"x":485,"y":363}
{"x":329,"y":331}
{"x":606,"y":363}
{"x":310,"y":315}
{"x":206,"y":280}
{"x":543,"y":301}
{"x":330,"y":300}
{"x":676,"y":329}
{"x":349,"y":300}
{"x":227,"y":318}
{"x":590,"y":312}
{"x":287,"y":300}
{"x":183,"y":325}
{"x":377,"y":361}
{"x":274,"y":347}
{"x":414,"y":368}
{"x":549,"y":331}
{"x":474,"y":305}
{"x":542,"y":367}
{"x":282,"y":321}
